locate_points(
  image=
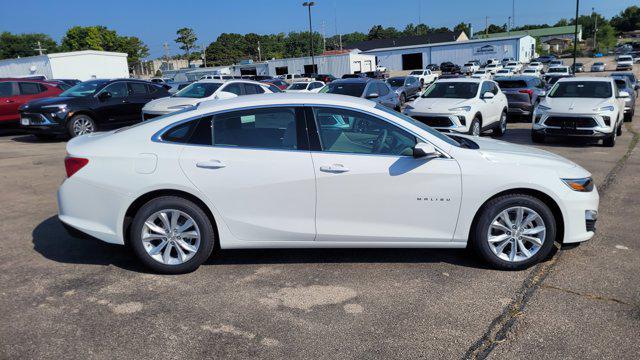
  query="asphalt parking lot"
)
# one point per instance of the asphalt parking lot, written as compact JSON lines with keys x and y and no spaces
{"x":63,"y":297}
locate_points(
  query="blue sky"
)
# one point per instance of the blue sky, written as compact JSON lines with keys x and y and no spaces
{"x":156,"y":21}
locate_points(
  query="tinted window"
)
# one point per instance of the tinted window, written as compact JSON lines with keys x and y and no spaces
{"x":233,"y":88}
{"x":486,"y":87}
{"x":117,"y":90}
{"x":274,"y":88}
{"x":351,"y":89}
{"x":250,"y":89}
{"x":86,"y":88}
{"x":30,"y":88}
{"x":6,"y":89}
{"x":346,"y":131}
{"x":198,"y":90}
{"x":298,"y":86}
{"x":273,"y":128}
{"x":196,"y":132}
{"x":582,"y":89}
{"x":396,"y":82}
{"x":372,"y":88}
{"x":452,"y":90}
{"x":383,"y":89}
{"x":137,"y":88}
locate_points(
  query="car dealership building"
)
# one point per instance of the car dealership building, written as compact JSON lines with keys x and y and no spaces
{"x":412,"y":57}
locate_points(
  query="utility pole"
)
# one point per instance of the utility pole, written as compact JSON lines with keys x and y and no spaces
{"x":324,"y":37}
{"x":308,"y":5}
{"x":486,"y":25}
{"x":595,"y":28}
{"x":165,"y":46}
{"x":513,"y":13}
{"x":39,"y":49}
{"x":204,"y":55}
{"x":575,"y":36}
{"x":509,"y":26}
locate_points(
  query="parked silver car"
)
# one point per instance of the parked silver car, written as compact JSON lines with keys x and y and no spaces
{"x":372,"y":89}
{"x":598,"y":66}
{"x":407,"y":87}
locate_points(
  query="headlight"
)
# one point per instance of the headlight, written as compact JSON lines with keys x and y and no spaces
{"x":57,"y":107}
{"x":581,"y":185}
{"x":461,"y":108}
{"x":541,"y":107}
{"x":605,"y":108}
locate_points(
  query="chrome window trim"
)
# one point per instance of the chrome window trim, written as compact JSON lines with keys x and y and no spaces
{"x":157,"y":136}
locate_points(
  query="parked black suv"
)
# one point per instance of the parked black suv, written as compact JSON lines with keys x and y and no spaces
{"x":449,"y":67}
{"x":89,"y":106}
{"x":523,"y":93}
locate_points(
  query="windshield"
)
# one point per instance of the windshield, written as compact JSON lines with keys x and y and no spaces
{"x":86,"y":88}
{"x":452,"y":90}
{"x":198,"y":90}
{"x":479,"y":72}
{"x":598,"y":64}
{"x":298,"y":86}
{"x":581,"y":89}
{"x":529,"y":71}
{"x":351,"y":89}
{"x":417,"y":123}
{"x":557,"y":70}
{"x":396,"y":82}
{"x":625,"y":58}
{"x":416,"y":73}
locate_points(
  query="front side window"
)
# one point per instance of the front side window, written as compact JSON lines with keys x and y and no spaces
{"x":347,"y":131}
{"x":582,"y":89}
{"x":272,"y":128}
{"x":251,"y":89}
{"x":6,"y":89}
{"x":137,"y":89}
{"x":452,"y":90}
{"x":298,"y":86}
{"x":117,"y":90}
{"x":383,"y":89}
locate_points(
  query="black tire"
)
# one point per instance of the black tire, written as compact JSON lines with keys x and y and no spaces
{"x":403,"y":99}
{"x":610,"y":141}
{"x":619,"y":130}
{"x":502,"y":126}
{"x":72,"y":128}
{"x":537,"y":137}
{"x":475,"y":123}
{"x":207,"y":234}
{"x":494,"y":207}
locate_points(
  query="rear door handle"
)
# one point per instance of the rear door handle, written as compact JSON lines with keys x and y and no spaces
{"x":211,"y":164}
{"x":334,"y":168}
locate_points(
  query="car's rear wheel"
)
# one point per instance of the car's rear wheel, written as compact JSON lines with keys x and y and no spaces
{"x":514,"y":232}
{"x":502,"y":126}
{"x":81,"y":124}
{"x":172,"y":235}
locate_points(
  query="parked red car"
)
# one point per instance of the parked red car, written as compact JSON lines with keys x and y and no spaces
{"x":15,"y":92}
{"x":279,"y":83}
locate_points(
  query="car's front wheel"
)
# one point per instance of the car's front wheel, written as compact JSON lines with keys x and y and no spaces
{"x":514,"y":231}
{"x":81,"y":124}
{"x":475,"y":128}
{"x":502,"y":126}
{"x":172,"y":235}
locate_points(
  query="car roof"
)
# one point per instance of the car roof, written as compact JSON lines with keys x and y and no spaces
{"x":516,"y":78}
{"x":585,"y":78}
{"x":287,"y":99}
{"x":464,"y":79}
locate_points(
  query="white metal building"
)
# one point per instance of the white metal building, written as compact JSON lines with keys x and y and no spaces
{"x":336,"y":65}
{"x":521,"y":48}
{"x":81,"y":65}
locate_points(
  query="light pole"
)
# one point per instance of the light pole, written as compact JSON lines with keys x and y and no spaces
{"x":308,"y":5}
{"x":575,"y":36}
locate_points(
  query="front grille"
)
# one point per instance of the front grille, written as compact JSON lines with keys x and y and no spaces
{"x":435,"y":121}
{"x":146,"y":116}
{"x":35,"y":119}
{"x":570,"y":122}
{"x":591,"y":225}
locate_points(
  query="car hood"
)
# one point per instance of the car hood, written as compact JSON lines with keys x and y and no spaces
{"x":497,"y":151}
{"x":39,"y":103}
{"x":574,"y":105}
{"x":435,"y":105}
{"x":165,"y":103}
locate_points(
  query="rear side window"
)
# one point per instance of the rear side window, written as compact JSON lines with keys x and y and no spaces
{"x":272,"y":128}
{"x":137,"y":89}
{"x":251,"y":89}
{"x":233,"y":88}
{"x":30,"y":88}
{"x":6,"y":89}
{"x":195,"y":132}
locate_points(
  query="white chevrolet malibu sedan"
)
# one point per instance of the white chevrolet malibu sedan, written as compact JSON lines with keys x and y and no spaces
{"x":317,"y":171}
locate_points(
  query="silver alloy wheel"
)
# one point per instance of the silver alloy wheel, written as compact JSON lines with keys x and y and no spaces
{"x":503,"y":122}
{"x":82,"y":125}
{"x":170,"y":237}
{"x":516,"y":234}
{"x":475,"y":131}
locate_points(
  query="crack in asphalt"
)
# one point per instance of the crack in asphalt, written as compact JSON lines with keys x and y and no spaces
{"x":501,"y":326}
{"x":586,"y":295}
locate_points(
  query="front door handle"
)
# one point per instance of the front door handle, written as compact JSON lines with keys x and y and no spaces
{"x":334,"y":168}
{"x":211,"y":164}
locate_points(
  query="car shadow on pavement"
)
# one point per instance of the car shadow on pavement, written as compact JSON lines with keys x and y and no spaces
{"x":52,"y":241}
{"x":32,"y":139}
{"x":523,"y":137}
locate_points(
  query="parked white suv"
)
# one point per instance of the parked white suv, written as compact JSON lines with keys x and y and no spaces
{"x":201,"y":91}
{"x":624,"y":62}
{"x":309,"y":171}
{"x":470,"y":68}
{"x":426,"y":76}
{"x":305,"y":86}
{"x":462,"y":105}
{"x":587,"y":107}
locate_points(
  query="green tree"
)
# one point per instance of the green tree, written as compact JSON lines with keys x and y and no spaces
{"x":23,"y":45}
{"x":606,"y":37}
{"x":103,"y":39}
{"x":227,"y":49}
{"x":380,"y":32}
{"x":627,"y":20}
{"x":134,"y":47}
{"x":562,"y":22}
{"x":463,"y":27}
{"x":187,"y":39}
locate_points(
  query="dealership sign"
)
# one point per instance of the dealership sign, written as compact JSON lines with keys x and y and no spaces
{"x":485,"y":50}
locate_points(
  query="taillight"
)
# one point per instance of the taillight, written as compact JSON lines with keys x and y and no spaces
{"x":73,"y":164}
{"x":527,"y":91}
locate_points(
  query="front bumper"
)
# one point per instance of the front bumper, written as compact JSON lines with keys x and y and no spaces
{"x":580,"y":215}
{"x":597,"y":128}
{"x":37,"y":123}
{"x":520,"y":108}
{"x":445,"y":122}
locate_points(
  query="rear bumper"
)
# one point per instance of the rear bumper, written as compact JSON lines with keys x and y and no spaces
{"x":520,"y":108}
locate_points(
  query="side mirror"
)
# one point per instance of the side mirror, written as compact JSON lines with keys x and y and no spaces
{"x":623,"y":94}
{"x":223,"y":95}
{"x":105,"y":95}
{"x":373,"y":96}
{"x":425,"y":150}
{"x":488,"y":95}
